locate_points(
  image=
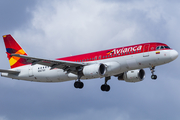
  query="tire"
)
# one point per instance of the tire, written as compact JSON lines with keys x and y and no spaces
{"x":81,"y":85}
{"x":76,"y":84}
{"x":154,"y":77}
{"x":105,"y":87}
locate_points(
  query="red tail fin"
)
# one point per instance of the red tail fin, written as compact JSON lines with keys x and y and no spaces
{"x":12,"y":47}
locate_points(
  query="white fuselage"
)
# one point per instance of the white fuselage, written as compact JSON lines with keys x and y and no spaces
{"x":116,"y":65}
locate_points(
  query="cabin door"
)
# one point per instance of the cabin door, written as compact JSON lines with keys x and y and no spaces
{"x":146,"y":50}
{"x":30,"y":71}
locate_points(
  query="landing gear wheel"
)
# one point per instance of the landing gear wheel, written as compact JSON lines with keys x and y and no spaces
{"x":76,"y":84}
{"x":105,"y":87}
{"x":154,"y":77}
{"x":79,"y":84}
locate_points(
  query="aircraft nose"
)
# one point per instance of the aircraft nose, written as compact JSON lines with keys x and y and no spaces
{"x":173,"y":54}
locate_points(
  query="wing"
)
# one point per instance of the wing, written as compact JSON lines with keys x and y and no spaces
{"x":65,"y":65}
{"x":9,"y":71}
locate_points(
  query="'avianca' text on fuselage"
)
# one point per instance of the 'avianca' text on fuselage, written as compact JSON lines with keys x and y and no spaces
{"x":125,"y":63}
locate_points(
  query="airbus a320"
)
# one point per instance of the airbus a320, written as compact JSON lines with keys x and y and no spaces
{"x":125,"y":63}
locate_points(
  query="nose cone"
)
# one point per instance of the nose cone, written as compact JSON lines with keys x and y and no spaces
{"x":173,"y":54}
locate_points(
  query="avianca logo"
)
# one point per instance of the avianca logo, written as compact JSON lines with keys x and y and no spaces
{"x":124,"y":50}
{"x":110,"y":52}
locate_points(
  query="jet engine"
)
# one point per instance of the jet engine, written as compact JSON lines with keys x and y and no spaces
{"x":132,"y":76}
{"x":94,"y":70}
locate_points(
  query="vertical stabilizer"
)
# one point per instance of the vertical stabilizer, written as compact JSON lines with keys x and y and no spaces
{"x":12,"y":47}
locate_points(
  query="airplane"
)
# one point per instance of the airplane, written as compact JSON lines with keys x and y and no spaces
{"x":125,"y":63}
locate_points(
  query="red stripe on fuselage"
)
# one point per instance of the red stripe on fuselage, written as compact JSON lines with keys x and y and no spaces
{"x":115,"y":52}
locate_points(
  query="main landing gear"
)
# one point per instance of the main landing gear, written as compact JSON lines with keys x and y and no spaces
{"x":153,"y":76}
{"x":78,"y":83}
{"x":105,"y":86}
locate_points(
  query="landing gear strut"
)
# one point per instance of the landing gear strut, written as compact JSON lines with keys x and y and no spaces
{"x":78,"y":83}
{"x":153,"y":76}
{"x":105,"y":86}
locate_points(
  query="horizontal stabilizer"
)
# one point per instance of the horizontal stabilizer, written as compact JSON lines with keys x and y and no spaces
{"x":9,"y":71}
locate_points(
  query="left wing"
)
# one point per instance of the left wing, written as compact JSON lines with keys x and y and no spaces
{"x":61,"y":64}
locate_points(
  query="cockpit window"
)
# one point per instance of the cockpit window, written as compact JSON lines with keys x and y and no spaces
{"x":167,"y":47}
{"x":158,"y":48}
{"x":162,"y":47}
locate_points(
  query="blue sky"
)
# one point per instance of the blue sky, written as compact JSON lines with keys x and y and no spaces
{"x":58,"y":28}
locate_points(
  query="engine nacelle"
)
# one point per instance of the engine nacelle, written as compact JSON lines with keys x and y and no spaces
{"x":94,"y":70}
{"x":133,"y":76}
{"x":112,"y":68}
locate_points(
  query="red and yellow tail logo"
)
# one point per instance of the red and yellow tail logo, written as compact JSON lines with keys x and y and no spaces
{"x":12,"y":47}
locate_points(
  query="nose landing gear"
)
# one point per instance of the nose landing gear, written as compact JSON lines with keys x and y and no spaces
{"x":153,"y":76}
